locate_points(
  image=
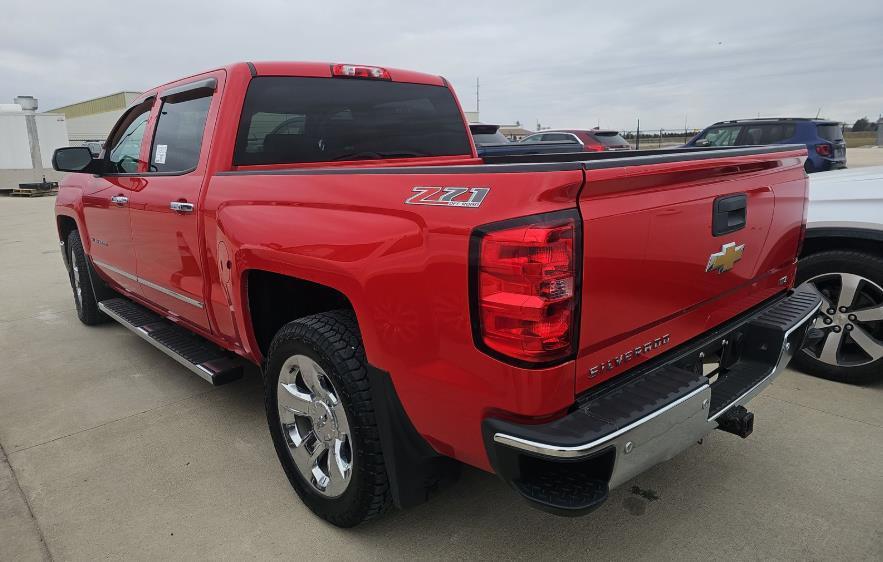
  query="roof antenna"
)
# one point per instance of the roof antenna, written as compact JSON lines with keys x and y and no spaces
{"x":818,"y":112}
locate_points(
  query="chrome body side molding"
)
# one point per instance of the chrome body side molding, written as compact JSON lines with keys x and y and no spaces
{"x":151,"y":284}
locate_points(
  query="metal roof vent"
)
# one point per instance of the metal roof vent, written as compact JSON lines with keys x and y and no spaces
{"x":27,"y":103}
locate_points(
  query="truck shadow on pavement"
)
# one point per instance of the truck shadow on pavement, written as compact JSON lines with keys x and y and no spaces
{"x":722,"y":491}
{"x":476,"y":509}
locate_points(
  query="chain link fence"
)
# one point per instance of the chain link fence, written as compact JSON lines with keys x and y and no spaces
{"x":658,"y":138}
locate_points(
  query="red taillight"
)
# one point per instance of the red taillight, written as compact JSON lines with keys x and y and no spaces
{"x":595,"y":147}
{"x":823,"y":149}
{"x":358,"y":71}
{"x":525,"y":287}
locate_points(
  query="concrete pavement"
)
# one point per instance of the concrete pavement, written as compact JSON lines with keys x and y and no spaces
{"x":113,"y":451}
{"x":861,"y":157}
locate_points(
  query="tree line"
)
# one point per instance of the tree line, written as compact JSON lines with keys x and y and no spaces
{"x":863,"y":124}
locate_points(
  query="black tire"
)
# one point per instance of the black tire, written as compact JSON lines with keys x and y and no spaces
{"x":332,"y":340}
{"x":865,"y":265}
{"x":78,"y":268}
{"x":809,"y":167}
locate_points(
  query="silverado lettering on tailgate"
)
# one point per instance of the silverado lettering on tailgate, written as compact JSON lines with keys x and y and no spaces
{"x":623,"y":358}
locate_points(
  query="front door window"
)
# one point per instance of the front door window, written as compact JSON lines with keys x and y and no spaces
{"x":124,"y":152}
{"x":720,"y":136}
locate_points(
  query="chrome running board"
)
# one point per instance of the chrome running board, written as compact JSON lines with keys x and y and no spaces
{"x":204,"y":358}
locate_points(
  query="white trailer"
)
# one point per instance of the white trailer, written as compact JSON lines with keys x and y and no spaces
{"x":27,"y":141}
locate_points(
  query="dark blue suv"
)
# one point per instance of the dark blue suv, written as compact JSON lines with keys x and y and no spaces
{"x":824,"y":142}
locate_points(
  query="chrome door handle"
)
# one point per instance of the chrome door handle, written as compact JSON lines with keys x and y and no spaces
{"x":119,"y":200}
{"x":181,"y":207}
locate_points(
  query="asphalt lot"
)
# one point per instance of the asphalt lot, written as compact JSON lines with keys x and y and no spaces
{"x":110,"y":450}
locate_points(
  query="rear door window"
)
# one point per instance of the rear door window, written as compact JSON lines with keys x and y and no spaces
{"x":179,"y":130}
{"x":559,"y":137}
{"x":295,"y":120}
{"x":753,"y":134}
{"x":777,"y":132}
{"x":767,"y":133}
{"x":831,"y":132}
{"x":532,"y":138}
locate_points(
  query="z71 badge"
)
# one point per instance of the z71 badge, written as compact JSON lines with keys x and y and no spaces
{"x":448,"y":196}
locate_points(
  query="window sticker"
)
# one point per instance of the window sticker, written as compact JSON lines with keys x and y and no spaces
{"x":160,"y":157}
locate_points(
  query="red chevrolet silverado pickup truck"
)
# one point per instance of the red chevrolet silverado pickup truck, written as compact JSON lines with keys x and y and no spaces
{"x":565,"y":321}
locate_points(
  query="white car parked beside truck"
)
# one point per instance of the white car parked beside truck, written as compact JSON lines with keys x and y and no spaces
{"x":843,"y":257}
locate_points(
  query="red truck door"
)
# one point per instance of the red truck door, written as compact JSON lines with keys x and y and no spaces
{"x":164,"y":212}
{"x":106,"y":199}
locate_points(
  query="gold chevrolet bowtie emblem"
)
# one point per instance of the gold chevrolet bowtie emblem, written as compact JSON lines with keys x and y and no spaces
{"x":726,"y":258}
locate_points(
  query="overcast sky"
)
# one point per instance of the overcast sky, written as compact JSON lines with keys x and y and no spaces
{"x":566,"y":64}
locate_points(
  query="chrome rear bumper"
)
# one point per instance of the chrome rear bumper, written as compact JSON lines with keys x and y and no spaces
{"x":627,"y":428}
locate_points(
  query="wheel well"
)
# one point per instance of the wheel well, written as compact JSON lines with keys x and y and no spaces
{"x":66,"y":225}
{"x":274,"y":300}
{"x":815,"y":245}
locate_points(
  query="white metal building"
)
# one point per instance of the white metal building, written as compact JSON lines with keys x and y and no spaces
{"x":91,"y":120}
{"x":27,"y":141}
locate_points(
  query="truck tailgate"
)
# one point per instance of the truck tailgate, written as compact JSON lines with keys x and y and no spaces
{"x":659,"y":269}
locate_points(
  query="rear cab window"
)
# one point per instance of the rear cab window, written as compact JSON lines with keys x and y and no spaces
{"x":290,"y":120}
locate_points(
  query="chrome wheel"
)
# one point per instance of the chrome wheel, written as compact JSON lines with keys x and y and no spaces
{"x":315,"y":426}
{"x":78,"y":287}
{"x":851,"y":318}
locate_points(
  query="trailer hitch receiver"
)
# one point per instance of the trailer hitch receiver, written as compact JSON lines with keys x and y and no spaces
{"x":737,"y":421}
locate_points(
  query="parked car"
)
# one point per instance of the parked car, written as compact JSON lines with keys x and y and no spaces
{"x":592,"y":140}
{"x":483,"y":133}
{"x":843,"y":258}
{"x":413,"y":307}
{"x":826,"y":149}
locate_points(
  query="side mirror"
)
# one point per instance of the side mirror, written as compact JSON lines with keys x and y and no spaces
{"x":75,"y":159}
{"x":702,"y":142}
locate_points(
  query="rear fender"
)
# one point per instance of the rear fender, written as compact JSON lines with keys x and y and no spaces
{"x":404,"y":268}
